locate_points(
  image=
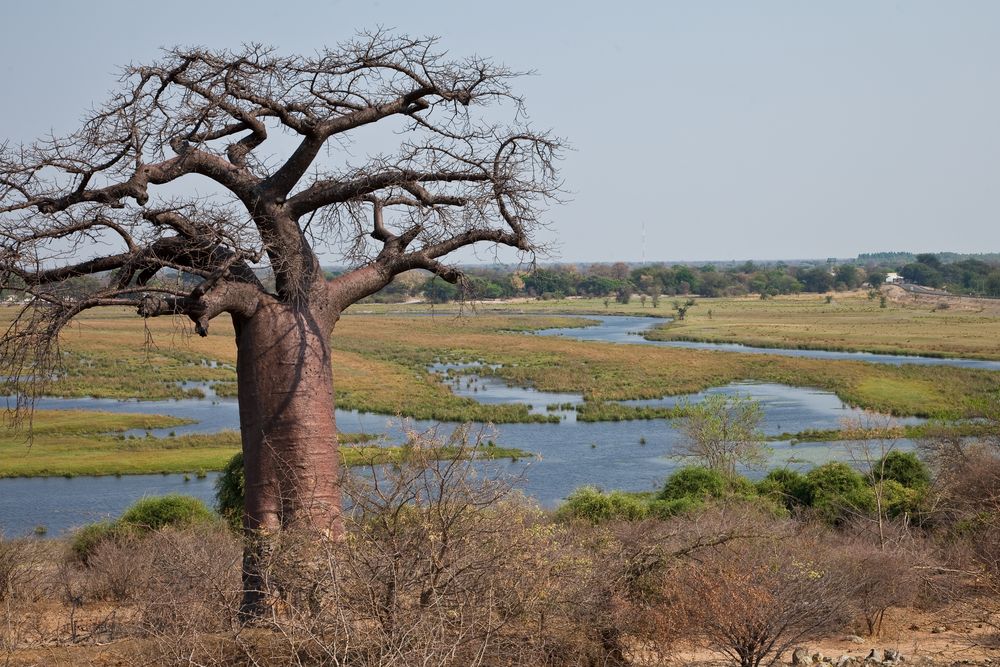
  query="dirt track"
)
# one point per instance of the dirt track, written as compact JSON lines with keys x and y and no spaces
{"x":967,"y":303}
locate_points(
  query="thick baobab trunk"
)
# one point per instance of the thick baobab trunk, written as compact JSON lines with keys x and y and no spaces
{"x":289,"y":432}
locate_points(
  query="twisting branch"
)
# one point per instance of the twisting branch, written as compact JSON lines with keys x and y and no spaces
{"x":84,"y":221}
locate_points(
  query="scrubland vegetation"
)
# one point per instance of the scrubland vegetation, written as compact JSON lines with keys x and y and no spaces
{"x":441,"y":565}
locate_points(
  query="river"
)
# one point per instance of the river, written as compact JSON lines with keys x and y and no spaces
{"x":630,"y":455}
{"x":624,"y":329}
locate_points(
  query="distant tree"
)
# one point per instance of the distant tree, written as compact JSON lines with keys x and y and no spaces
{"x":876,"y":279}
{"x":682,"y":308}
{"x":847,"y":276}
{"x":598,"y":285}
{"x":619,"y":271}
{"x":993,"y":283}
{"x":922,"y":274}
{"x":723,"y":432}
{"x":929,"y":259}
{"x":817,"y":279}
{"x":543,"y":281}
{"x":440,"y":291}
{"x":654,"y":294}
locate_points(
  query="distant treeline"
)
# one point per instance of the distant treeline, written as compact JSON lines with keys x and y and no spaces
{"x":977,"y":275}
{"x":622,"y":282}
{"x":968,"y":276}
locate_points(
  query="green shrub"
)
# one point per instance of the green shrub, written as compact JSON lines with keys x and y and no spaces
{"x":229,"y":490}
{"x":694,"y":482}
{"x":150,"y":514}
{"x":838,"y":490}
{"x":789,"y":487}
{"x":144,"y":516}
{"x":898,"y":500}
{"x":591,"y":504}
{"x":741,"y":486}
{"x":664,"y":509}
{"x":86,"y":539}
{"x":905,"y":468}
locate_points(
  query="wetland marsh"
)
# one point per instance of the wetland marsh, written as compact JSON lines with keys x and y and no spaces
{"x":591,"y":411}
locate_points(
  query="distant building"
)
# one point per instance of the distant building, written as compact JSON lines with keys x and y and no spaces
{"x":893,"y":279}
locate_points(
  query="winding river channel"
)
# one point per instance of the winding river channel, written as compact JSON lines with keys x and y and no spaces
{"x":629,"y":455}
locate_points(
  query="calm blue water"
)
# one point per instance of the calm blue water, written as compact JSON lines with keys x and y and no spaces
{"x":633,"y":455}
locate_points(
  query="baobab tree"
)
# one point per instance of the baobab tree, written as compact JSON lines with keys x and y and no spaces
{"x":274,"y":142}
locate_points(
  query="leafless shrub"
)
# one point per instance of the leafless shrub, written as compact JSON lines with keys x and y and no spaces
{"x":119,"y":569}
{"x":24,"y":579}
{"x":440,"y":564}
{"x":18,"y":564}
{"x":753,"y":599}
{"x":882,"y":577}
{"x":191,"y":591}
{"x":967,"y":489}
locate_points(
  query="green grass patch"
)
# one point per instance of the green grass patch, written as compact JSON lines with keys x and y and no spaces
{"x":77,"y":442}
{"x":380,"y":361}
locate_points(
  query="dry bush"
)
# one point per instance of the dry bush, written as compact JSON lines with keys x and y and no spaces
{"x":20,"y":561}
{"x":118,"y":569}
{"x":752,"y":599}
{"x":25,"y":577}
{"x":967,"y":497}
{"x":190,"y":592}
{"x":882,"y":577}
{"x":440,"y":565}
{"x":639,"y":564}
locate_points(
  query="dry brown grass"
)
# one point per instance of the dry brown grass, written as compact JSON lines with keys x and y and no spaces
{"x":852,"y":321}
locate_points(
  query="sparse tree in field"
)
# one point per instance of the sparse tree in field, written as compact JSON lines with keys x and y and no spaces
{"x":723,"y":432}
{"x":267,"y":140}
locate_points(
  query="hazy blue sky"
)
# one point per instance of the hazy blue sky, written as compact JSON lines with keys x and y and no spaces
{"x":733,"y":130}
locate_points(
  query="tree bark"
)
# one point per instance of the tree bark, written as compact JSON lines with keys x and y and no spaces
{"x":290,"y":448}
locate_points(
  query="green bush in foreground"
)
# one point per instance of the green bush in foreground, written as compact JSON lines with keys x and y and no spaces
{"x":229,"y":490}
{"x":145,"y":516}
{"x":835,"y":491}
{"x":898,"y":500}
{"x":591,"y":504}
{"x":904,"y":468}
{"x":695,"y":482}
{"x":86,"y":539}
{"x":839,"y":491}
{"x":150,"y":514}
{"x":789,"y":487}
{"x":686,"y":490}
